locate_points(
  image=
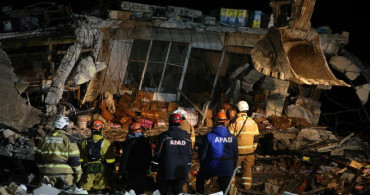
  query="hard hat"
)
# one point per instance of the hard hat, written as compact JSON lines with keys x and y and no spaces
{"x":220,"y":117}
{"x":61,"y":121}
{"x":181,"y":112}
{"x":242,"y":106}
{"x":175,"y":119}
{"x":97,"y":125}
{"x":135,"y":126}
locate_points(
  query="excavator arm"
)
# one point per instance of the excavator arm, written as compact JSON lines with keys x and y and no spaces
{"x":291,"y":50}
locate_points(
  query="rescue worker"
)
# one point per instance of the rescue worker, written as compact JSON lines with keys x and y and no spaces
{"x":218,"y":155}
{"x":58,"y":157}
{"x":173,"y":155}
{"x":246,"y":130}
{"x":186,"y":126}
{"x":98,"y":158}
{"x":136,"y":157}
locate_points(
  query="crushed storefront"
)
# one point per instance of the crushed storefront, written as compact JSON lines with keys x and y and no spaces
{"x":142,"y":63}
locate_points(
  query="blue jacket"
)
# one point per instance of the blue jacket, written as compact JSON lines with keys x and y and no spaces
{"x":218,"y":152}
{"x":173,"y":154}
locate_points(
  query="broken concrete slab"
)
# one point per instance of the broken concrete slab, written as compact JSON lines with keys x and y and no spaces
{"x":15,"y":112}
{"x":7,"y":133}
{"x":239,"y":70}
{"x":352,"y":144}
{"x":21,"y":86}
{"x":250,"y":79}
{"x":345,"y":65}
{"x":86,"y":70}
{"x":84,"y":38}
{"x":4,"y":191}
{"x":305,"y":108}
{"x":310,"y":139}
{"x":278,"y":92}
{"x":56,"y":90}
{"x":362,"y":92}
{"x":46,"y":189}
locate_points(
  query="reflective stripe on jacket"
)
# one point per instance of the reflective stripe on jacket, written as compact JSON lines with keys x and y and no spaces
{"x":58,"y":154}
{"x":106,"y":150}
{"x":246,"y":135}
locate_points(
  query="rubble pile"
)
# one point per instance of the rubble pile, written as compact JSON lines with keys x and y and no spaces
{"x":97,"y":72}
{"x":309,"y":173}
{"x":15,"y":145}
{"x":13,"y":188}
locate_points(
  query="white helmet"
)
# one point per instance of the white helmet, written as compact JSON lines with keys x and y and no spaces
{"x":180,"y":111}
{"x":242,"y":106}
{"x":61,"y":121}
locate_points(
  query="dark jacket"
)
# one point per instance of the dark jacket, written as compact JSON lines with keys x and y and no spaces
{"x":173,"y":154}
{"x":218,"y":152}
{"x":137,"y":154}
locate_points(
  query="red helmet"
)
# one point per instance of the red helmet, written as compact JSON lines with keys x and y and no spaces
{"x":220,"y":117}
{"x":175,"y":118}
{"x":97,"y":125}
{"x":135,"y":126}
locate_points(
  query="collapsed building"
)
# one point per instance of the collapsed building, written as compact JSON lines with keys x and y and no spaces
{"x":144,"y":61}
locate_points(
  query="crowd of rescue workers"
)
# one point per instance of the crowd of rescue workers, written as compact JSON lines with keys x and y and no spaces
{"x":228,"y":147}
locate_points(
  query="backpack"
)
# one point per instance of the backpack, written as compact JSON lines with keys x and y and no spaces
{"x":93,"y":149}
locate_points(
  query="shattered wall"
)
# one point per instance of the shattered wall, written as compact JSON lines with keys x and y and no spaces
{"x":14,"y":112}
{"x":85,"y":36}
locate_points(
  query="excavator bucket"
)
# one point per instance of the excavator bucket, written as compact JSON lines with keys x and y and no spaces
{"x":293,"y":54}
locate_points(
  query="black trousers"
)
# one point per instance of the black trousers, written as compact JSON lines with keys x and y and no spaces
{"x":176,"y":186}
{"x":136,"y":180}
{"x":223,"y":182}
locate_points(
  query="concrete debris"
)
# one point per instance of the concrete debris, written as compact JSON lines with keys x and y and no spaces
{"x":86,"y":70}
{"x":13,"y":189}
{"x":278,"y":91}
{"x":293,"y":150}
{"x":183,"y":12}
{"x":46,"y":189}
{"x":7,"y":133}
{"x":250,"y":79}
{"x":239,"y":70}
{"x":301,"y":112}
{"x":362,"y":92}
{"x":15,"y":112}
{"x":16,"y":146}
{"x":354,"y":144}
{"x":56,"y":90}
{"x":85,"y":35}
{"x":331,"y":43}
{"x":271,"y":188}
{"x":345,"y":65}
{"x":308,"y":139}
{"x":146,"y":11}
{"x":21,"y":87}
